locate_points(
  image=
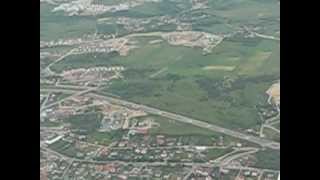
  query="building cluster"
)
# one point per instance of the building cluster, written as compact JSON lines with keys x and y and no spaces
{"x":199,"y":4}
{"x":51,"y":166}
{"x":205,"y":41}
{"x":91,"y":8}
{"x":135,"y":153}
{"x":91,"y":75}
{"x":44,"y":55}
{"x":133,"y":24}
{"x":61,"y":42}
{"x":65,"y":109}
{"x":55,"y":114}
{"x":70,"y":41}
{"x":184,"y":27}
{"x":117,"y":117}
{"x":123,"y":171}
{"x":120,"y":171}
{"x":144,"y":24}
{"x":120,"y":45}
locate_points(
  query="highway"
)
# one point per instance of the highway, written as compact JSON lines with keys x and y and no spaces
{"x":202,"y":124}
{"x":69,"y":97}
{"x":67,"y":91}
{"x":262,"y":142}
{"x":61,"y":58}
{"x":226,"y":161}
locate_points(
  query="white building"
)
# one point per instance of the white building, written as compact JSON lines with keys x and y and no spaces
{"x":54,"y":139}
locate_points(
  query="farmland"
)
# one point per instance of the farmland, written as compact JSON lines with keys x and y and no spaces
{"x":184,"y":82}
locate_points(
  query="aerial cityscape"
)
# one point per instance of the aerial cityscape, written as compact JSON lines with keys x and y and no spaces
{"x":160,"y":89}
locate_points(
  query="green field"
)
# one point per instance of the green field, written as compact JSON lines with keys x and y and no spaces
{"x":215,"y":153}
{"x":271,"y":134}
{"x":105,"y":138}
{"x":50,"y":124}
{"x":268,"y":159}
{"x":187,"y":133}
{"x":85,"y":123}
{"x":54,"y":26}
{"x":64,"y":147}
{"x":174,"y":128}
{"x":185,"y":86}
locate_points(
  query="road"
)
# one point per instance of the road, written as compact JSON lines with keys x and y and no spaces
{"x":151,"y":110}
{"x":233,"y":153}
{"x":227,"y":160}
{"x":78,"y":93}
{"x":61,"y":58}
{"x":57,"y":90}
{"x":273,"y":128}
{"x":261,"y":35}
{"x":251,"y":169}
{"x":45,"y":101}
{"x":177,"y":117}
{"x":266,"y":36}
{"x":189,"y":173}
{"x":273,"y":123}
{"x":67,"y":169}
{"x":158,"y":72}
{"x":273,"y":119}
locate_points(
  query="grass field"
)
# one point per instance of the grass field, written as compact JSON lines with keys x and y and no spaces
{"x":271,"y":134}
{"x":215,"y":153}
{"x":105,"y":138}
{"x":268,"y":159}
{"x":86,"y":123}
{"x":185,"y":87}
{"x":174,"y":128}
{"x":188,"y":89}
{"x":187,"y":133}
{"x":56,"y":25}
{"x":64,"y":147}
{"x":50,"y":124}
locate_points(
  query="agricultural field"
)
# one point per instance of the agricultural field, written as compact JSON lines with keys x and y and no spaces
{"x":178,"y":79}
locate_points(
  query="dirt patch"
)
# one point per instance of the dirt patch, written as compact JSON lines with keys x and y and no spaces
{"x":274,"y":93}
{"x":224,"y":68}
